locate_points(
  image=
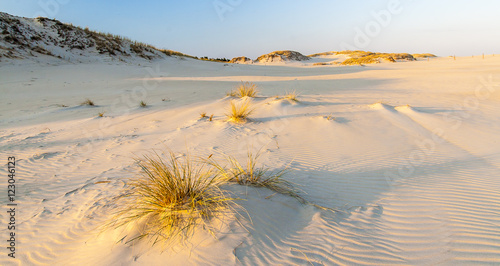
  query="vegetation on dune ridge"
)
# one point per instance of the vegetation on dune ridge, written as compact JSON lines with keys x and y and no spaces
{"x":137,"y":47}
{"x":363,"y":57}
{"x":323,"y":54}
{"x":426,"y":55}
{"x":359,"y":57}
{"x":104,"y":39}
{"x":241,"y":59}
{"x":73,"y":37}
{"x":206,"y":58}
{"x":370,"y":59}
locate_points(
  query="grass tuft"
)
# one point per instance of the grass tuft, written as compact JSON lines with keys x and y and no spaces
{"x":171,"y":198}
{"x":246,"y":89}
{"x":143,"y":104}
{"x":248,"y":174}
{"x":293,"y":95}
{"x":239,"y":113}
{"x":330,"y":117}
{"x":100,"y":114}
{"x":88,"y":102}
{"x":203,"y":115}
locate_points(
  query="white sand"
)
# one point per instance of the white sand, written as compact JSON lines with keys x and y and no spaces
{"x":415,"y":184}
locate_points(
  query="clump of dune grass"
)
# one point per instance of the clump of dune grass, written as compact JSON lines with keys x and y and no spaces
{"x":239,"y":113}
{"x":203,"y":115}
{"x":248,"y":174}
{"x":293,"y":96}
{"x":88,"y":102}
{"x":211,"y":118}
{"x":100,"y":114}
{"x":330,"y":117}
{"x":246,"y":89}
{"x":143,"y":104}
{"x":171,"y":198}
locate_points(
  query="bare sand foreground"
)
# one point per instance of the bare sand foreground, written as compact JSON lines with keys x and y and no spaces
{"x":408,"y":153}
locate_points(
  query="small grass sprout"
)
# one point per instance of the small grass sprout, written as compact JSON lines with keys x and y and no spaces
{"x":88,"y":102}
{"x":330,"y":117}
{"x":292,"y":95}
{"x":239,"y":113}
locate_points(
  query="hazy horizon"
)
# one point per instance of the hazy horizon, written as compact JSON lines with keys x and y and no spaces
{"x":230,"y":28}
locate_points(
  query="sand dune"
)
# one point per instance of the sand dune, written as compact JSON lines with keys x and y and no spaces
{"x":407,"y":154}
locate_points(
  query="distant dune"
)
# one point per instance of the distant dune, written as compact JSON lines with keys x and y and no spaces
{"x":281,"y":56}
{"x":364,"y":57}
{"x":241,"y":60}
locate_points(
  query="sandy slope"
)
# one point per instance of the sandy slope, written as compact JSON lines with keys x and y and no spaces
{"x":413,"y":184}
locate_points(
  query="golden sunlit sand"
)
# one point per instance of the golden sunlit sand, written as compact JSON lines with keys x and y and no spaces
{"x":269,"y":162}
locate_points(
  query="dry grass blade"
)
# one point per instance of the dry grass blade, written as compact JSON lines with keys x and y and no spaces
{"x":239,"y":113}
{"x":171,"y":199}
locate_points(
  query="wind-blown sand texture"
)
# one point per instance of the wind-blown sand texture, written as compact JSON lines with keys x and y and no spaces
{"x":408,"y":153}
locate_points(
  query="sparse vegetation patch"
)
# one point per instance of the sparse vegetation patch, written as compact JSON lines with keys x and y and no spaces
{"x":171,"y":198}
{"x":88,"y":102}
{"x":246,"y":89}
{"x":293,"y":96}
{"x":249,"y":174}
{"x":239,"y":113}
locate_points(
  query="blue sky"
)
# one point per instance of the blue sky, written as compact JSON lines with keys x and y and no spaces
{"x":229,"y":28}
